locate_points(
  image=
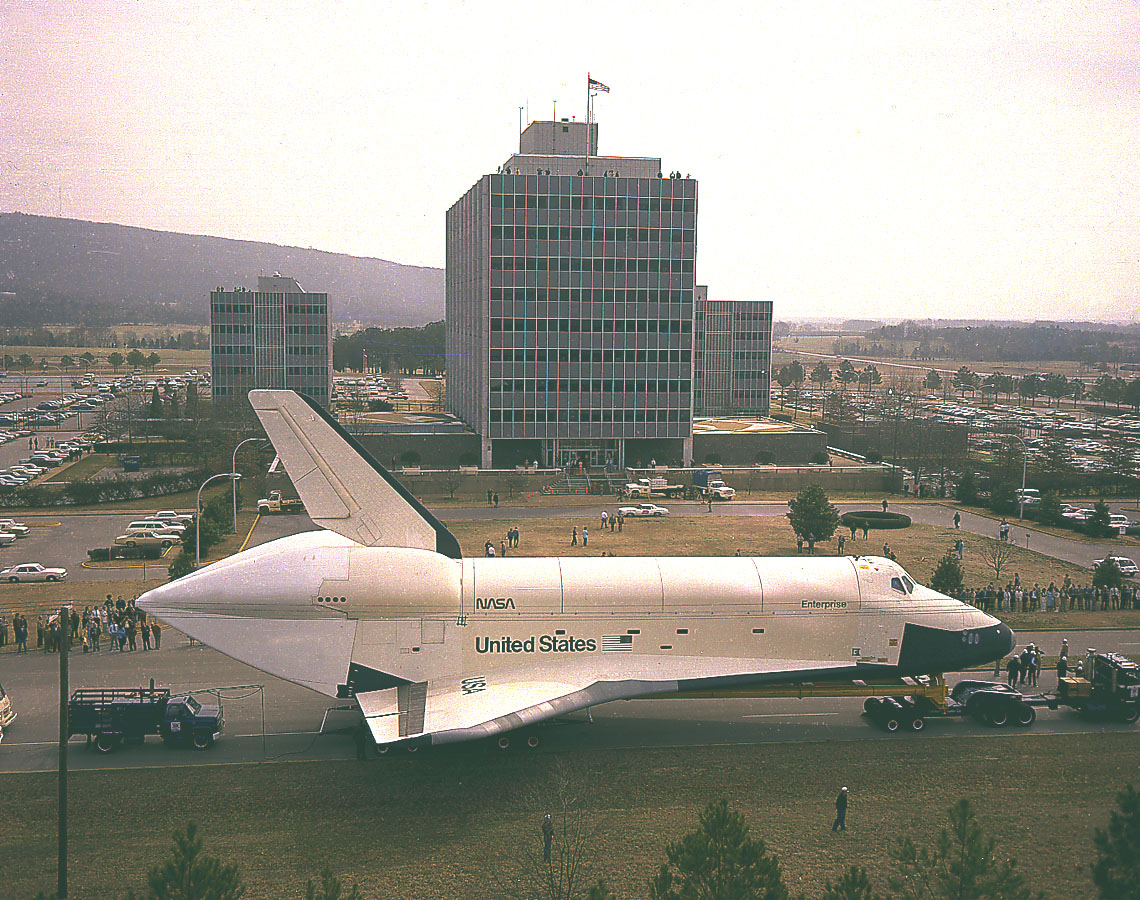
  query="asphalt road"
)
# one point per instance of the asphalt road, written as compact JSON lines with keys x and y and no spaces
{"x":293,"y":715}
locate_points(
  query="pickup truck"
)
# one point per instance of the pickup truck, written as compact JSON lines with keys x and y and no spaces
{"x":110,"y":717}
{"x":654,"y":487}
{"x":708,"y":482}
{"x":275,"y":503}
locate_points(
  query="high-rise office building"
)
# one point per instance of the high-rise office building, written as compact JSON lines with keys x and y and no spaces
{"x":274,"y":337}
{"x":570,"y":282}
{"x":732,"y":352}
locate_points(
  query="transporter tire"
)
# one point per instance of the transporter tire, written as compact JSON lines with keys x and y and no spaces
{"x":1129,"y":712}
{"x":891,"y":723}
{"x":106,"y":743}
{"x":533,"y":741}
{"x":201,"y":740}
{"x":503,"y":742}
{"x":917,"y":724}
{"x":1025,"y":716}
{"x":998,"y":715}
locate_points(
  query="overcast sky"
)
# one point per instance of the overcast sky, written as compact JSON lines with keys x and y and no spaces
{"x":866,"y":159}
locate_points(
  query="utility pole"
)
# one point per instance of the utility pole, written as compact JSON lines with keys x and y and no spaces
{"x":64,"y":647}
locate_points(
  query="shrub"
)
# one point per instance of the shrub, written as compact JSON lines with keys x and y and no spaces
{"x":948,"y":576}
{"x":968,"y":489}
{"x":1002,"y":498}
{"x":820,"y":458}
{"x":874,"y":518}
{"x":766,"y":458}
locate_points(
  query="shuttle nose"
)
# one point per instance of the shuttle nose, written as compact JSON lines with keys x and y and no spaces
{"x":928,"y":650}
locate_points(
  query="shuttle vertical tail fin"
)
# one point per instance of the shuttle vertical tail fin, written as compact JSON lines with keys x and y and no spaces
{"x":343,"y":488}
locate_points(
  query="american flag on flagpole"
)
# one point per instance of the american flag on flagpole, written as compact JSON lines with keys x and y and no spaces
{"x":598,"y":86}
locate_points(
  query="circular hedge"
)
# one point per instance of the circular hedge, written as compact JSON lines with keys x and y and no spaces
{"x":874,"y":518}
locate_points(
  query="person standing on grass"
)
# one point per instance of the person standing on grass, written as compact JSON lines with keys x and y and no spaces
{"x":884,"y":504}
{"x":574,"y":536}
{"x":547,"y":837}
{"x":840,"y":823}
{"x":585,"y":536}
{"x":957,"y":519}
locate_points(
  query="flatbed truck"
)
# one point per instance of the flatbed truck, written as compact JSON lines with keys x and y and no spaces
{"x":647,"y":488}
{"x":275,"y":503}
{"x":115,"y":716}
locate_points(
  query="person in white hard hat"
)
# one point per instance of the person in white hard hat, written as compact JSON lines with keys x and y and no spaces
{"x":840,"y":811}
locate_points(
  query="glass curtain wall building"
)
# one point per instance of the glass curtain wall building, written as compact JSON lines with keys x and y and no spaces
{"x":733,"y":353}
{"x":274,"y":337}
{"x":570,"y":308}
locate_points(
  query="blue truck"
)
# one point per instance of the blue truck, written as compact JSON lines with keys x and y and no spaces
{"x":111,"y":717}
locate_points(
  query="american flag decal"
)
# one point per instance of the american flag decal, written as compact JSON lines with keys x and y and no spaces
{"x":617,"y":641}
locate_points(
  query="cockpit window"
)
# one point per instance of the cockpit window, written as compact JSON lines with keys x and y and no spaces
{"x":909,"y":584}
{"x":897,"y":584}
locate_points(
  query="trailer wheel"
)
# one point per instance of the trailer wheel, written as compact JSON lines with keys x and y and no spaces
{"x":917,"y":724}
{"x":891,"y":724}
{"x":532,"y":741}
{"x":1129,"y":712}
{"x":382,"y":749}
{"x":106,"y":743}
{"x":503,"y":742}
{"x":202,"y":740}
{"x":998,"y":715}
{"x":1026,"y":715}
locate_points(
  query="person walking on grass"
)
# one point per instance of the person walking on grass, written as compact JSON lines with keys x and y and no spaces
{"x":840,"y":823}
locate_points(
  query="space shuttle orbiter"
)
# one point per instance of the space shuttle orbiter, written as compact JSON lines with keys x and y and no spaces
{"x":378,"y":605}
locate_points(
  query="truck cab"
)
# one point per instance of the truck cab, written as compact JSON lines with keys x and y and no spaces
{"x":187,"y":720}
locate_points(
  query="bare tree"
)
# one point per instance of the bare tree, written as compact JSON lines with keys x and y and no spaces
{"x":996,"y":555}
{"x":574,"y":866}
{"x":452,"y":479}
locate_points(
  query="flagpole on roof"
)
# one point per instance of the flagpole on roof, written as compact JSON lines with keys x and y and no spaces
{"x":587,"y":169}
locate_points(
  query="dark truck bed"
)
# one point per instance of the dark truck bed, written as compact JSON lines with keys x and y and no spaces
{"x":112,"y":716}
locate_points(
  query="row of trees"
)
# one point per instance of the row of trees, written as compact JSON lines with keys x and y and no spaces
{"x":106,"y":337}
{"x":1106,"y":389}
{"x":392,"y":349}
{"x":135,"y":358}
{"x":719,"y":860}
{"x":1012,"y":343}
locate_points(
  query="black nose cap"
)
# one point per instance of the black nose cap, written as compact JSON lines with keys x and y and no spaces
{"x":926,"y":651}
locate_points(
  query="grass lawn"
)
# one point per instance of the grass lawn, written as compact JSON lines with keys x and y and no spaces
{"x":447,"y":823}
{"x":82,"y":469}
{"x":918,"y":547}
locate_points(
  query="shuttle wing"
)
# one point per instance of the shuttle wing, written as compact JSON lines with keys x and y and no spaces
{"x":458,"y":709}
{"x":343,"y":488}
{"x":445,"y":711}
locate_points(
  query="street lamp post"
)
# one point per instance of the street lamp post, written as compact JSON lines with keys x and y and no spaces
{"x":1024,"y":460}
{"x":198,"y":515}
{"x":233,"y":468}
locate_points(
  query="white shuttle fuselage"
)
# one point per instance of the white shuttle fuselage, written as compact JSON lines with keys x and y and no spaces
{"x":436,"y":648}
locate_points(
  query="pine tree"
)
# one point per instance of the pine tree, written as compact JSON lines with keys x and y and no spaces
{"x":1049,"y":509}
{"x":1116,"y":872}
{"x":962,"y":865}
{"x":719,"y":861}
{"x":812,"y":513}
{"x":189,"y":874}
{"x":968,"y":489}
{"x":948,"y":576}
{"x":852,"y":885}
{"x":330,"y":888}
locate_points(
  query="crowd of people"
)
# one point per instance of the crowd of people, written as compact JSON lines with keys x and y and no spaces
{"x":1069,"y":596}
{"x":119,"y":622}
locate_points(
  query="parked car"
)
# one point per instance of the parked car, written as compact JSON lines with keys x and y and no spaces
{"x":643,"y":509}
{"x":32,"y":572}
{"x":174,"y":518}
{"x":12,"y":526}
{"x":174,"y":531}
{"x":1127,"y":567}
{"x":7,"y":538}
{"x":142,"y":538}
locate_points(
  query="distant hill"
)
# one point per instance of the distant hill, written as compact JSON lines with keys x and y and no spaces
{"x":67,"y":271}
